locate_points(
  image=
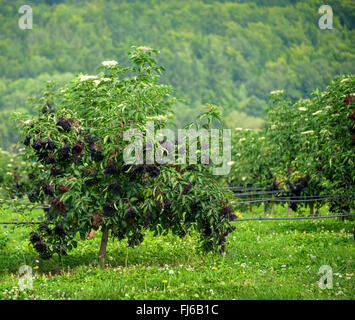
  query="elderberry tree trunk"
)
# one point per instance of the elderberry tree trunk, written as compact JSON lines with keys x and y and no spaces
{"x":311,"y":209}
{"x":103,"y":246}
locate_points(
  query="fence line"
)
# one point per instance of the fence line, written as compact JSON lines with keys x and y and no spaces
{"x":297,"y":218}
{"x":292,"y":199}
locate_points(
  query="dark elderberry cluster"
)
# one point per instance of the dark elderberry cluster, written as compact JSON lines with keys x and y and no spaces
{"x":48,"y":108}
{"x":63,"y":189}
{"x":49,"y":145}
{"x":226,"y":210}
{"x":97,"y":220}
{"x":49,"y":160}
{"x":135,"y":239}
{"x":167,"y":205}
{"x":114,"y":187}
{"x":56,"y":172}
{"x":34,"y":238}
{"x":47,"y":189}
{"x":64,"y":124}
{"x":131,"y":213}
{"x":43,"y":227}
{"x":59,"y":206}
{"x":297,"y":187}
{"x":93,"y":180}
{"x":59,"y":230}
{"x":89,"y":139}
{"x":187,"y":188}
{"x":39,"y":246}
{"x":222,"y":238}
{"x":147,"y":218}
{"x":111,"y":169}
{"x":109,"y":209}
{"x":65,"y":151}
{"x":27,"y":141}
{"x":349,"y":99}
{"x":96,"y":155}
{"x":77,"y":148}
{"x":274,"y":187}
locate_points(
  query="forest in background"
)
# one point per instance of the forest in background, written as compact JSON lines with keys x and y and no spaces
{"x":228,"y":53}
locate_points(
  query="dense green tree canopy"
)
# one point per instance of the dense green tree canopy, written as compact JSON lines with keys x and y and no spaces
{"x":229,"y":53}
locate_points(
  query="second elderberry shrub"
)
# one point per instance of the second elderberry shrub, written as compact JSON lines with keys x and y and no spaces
{"x":131,"y":213}
{"x":27,"y":140}
{"x":59,"y":230}
{"x":34,"y":238}
{"x":115,"y":187}
{"x":77,"y":148}
{"x":187,"y":188}
{"x":96,"y":155}
{"x":110,"y":169}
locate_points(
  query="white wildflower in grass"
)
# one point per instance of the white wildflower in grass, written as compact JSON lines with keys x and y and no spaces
{"x":302,"y":109}
{"x":109,"y":63}
{"x":276,"y":92}
{"x":230,"y":163}
{"x":244,"y":178}
{"x":317,"y":112}
{"x":171,"y":271}
{"x":307,"y":132}
{"x":84,"y":77}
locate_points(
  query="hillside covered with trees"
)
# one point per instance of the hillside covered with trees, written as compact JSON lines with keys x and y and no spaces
{"x":228,"y":53}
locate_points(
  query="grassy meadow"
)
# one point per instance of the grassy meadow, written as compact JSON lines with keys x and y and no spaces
{"x":265,"y":260}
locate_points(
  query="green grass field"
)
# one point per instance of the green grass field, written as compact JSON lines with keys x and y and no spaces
{"x":265,"y":260}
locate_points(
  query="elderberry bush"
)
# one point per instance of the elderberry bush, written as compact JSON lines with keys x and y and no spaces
{"x":77,"y":146}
